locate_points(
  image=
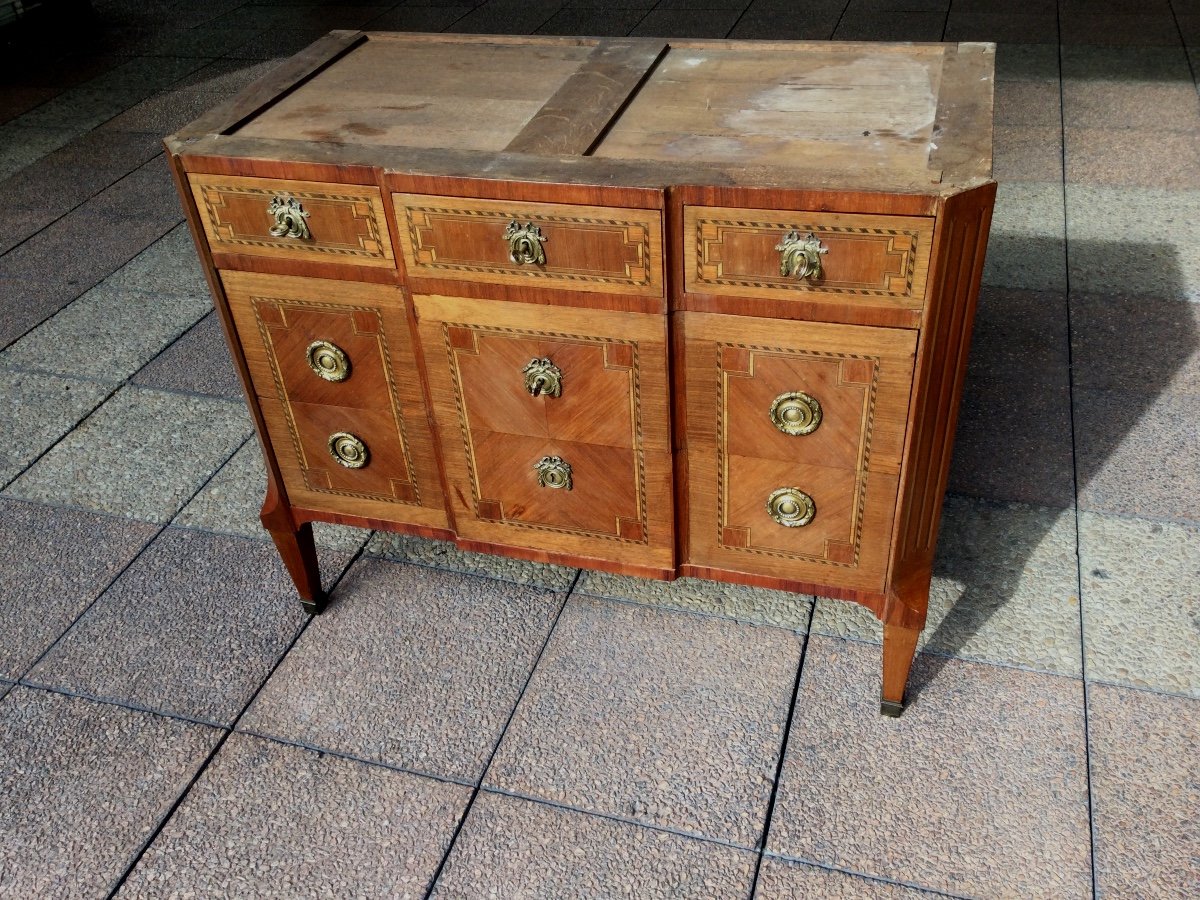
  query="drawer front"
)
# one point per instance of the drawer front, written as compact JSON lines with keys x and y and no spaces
{"x":298,"y":220}
{"x":577,"y":462}
{"x":794,"y":438}
{"x":329,"y":358}
{"x":551,"y":245}
{"x":873,"y":260}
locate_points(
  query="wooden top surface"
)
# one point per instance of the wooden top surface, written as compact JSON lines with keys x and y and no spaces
{"x":868,"y":116}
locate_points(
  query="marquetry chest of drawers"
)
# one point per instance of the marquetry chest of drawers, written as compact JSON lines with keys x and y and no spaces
{"x":660,"y":308}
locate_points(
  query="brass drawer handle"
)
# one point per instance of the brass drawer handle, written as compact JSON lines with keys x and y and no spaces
{"x":791,"y":507}
{"x":348,"y":451}
{"x":525,"y":244}
{"x":290,"y":218}
{"x":800,"y":257}
{"x":554,"y":472}
{"x":796,"y":413}
{"x":543,"y":377}
{"x":328,"y":361}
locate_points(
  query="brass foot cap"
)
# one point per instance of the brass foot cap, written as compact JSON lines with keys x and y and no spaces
{"x":890,"y":708}
{"x":315,"y":606}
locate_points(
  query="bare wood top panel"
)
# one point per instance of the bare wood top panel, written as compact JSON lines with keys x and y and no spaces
{"x":476,"y":96}
{"x":860,"y":106}
{"x":911,"y":118}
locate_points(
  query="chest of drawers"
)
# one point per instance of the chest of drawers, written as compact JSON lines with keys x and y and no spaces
{"x":659,"y":308}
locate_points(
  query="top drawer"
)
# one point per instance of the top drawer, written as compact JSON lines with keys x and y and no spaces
{"x":550,"y":245}
{"x":298,"y":220}
{"x":815,"y":256}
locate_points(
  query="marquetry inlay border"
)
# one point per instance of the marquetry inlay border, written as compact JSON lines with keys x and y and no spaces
{"x":901,"y":241}
{"x":864,"y":450}
{"x":633,"y":366}
{"x":363,"y":207}
{"x":410,"y":487}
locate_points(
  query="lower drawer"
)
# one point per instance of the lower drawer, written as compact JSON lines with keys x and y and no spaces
{"x":793,"y":440}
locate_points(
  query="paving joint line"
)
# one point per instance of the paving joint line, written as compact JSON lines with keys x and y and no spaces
{"x":227,"y":732}
{"x":1083,"y":666}
{"x":881,"y":879}
{"x":783,"y":747}
{"x":499,"y":740}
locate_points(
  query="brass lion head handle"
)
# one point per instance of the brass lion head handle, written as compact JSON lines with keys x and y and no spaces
{"x":543,"y":377}
{"x":800,"y":257}
{"x":791,"y":507}
{"x":290,"y":218}
{"x":525,"y":244}
{"x":553,"y":472}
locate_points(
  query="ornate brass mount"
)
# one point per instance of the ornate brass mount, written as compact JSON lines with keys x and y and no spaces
{"x":554,"y":472}
{"x":525,"y":244}
{"x":796,"y":413}
{"x":328,"y":361}
{"x":791,"y":507}
{"x":348,"y":451}
{"x":289,"y":218}
{"x":543,"y":377}
{"x":800,"y":257}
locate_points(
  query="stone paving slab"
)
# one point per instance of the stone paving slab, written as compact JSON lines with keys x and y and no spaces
{"x":84,"y":786}
{"x":107,"y":334}
{"x":510,"y":847}
{"x":1141,"y":602}
{"x":979,"y":789}
{"x":735,"y":601}
{"x":1004,"y":590}
{"x":1146,"y":790}
{"x":191,"y":629}
{"x":231,"y":501}
{"x":53,"y":563}
{"x":1157,"y":253}
{"x":141,"y":455}
{"x":1138,"y":455}
{"x":271,"y":820}
{"x":445,"y":555}
{"x":197,"y":363}
{"x":410,"y":667}
{"x":40,"y":409}
{"x":167,"y":267}
{"x":782,"y":879}
{"x":1027,"y":246}
{"x":658,"y":717}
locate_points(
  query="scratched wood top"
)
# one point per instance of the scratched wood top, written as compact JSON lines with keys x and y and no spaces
{"x":868,"y":116}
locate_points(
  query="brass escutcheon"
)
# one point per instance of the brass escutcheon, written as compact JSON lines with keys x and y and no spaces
{"x":791,"y":507}
{"x":290,"y":218}
{"x":328,"y":361}
{"x":348,"y":450}
{"x":796,"y":413}
{"x":543,"y":377}
{"x":554,"y":472}
{"x":525,"y":244}
{"x":800,"y":257}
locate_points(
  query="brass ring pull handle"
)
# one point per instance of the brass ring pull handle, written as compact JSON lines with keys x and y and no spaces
{"x":554,"y":472}
{"x":800,"y":257}
{"x":328,"y":361}
{"x":348,"y":451}
{"x":796,"y":413}
{"x":525,"y":244}
{"x":290,"y":218}
{"x":543,"y":377}
{"x":791,"y":507}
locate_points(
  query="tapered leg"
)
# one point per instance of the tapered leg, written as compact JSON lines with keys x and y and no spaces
{"x":899,"y":645}
{"x":300,"y":556}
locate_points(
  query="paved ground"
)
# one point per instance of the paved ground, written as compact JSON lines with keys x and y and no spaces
{"x":172,"y":724}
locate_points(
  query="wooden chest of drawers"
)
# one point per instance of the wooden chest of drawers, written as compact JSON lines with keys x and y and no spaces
{"x":686,"y":308}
